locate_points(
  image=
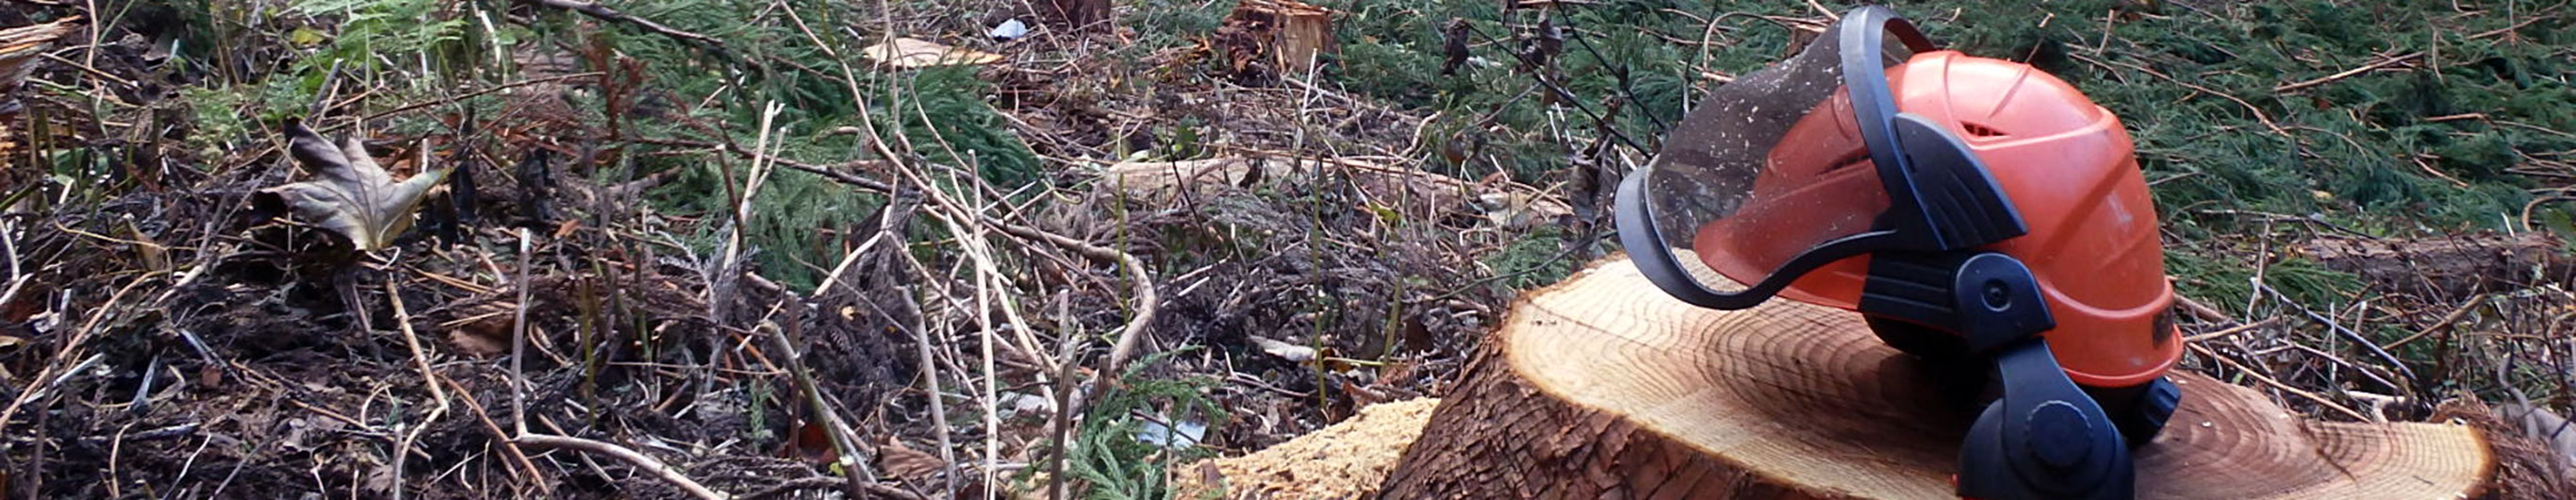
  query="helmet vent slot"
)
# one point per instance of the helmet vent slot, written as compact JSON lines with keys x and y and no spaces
{"x":1849,"y":160}
{"x":1981,"y":130}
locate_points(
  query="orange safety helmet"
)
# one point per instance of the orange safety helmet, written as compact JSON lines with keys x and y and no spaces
{"x":2064,"y":161}
{"x":1972,"y":208}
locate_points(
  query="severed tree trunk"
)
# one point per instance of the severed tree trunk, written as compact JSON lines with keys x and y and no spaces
{"x":1602,"y":387}
{"x":2450,"y":266}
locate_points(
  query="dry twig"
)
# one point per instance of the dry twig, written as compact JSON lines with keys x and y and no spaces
{"x":2444,"y":324}
{"x":2277,"y":384}
{"x":2366,"y":68}
{"x":402,"y":318}
{"x":2232,"y":331}
{"x":664,"y":472}
{"x":603,"y":13}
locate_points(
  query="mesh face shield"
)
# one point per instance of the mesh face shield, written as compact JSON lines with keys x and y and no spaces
{"x":1796,"y":166}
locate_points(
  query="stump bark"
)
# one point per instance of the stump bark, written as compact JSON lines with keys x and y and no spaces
{"x":1602,"y":387}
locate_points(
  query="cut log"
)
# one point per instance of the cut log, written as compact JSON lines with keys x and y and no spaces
{"x":2449,"y":267}
{"x":1602,"y":387}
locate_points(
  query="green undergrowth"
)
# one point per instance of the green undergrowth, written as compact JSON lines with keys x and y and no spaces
{"x":800,"y":222}
{"x":2361,"y":152}
{"x":1128,"y":440}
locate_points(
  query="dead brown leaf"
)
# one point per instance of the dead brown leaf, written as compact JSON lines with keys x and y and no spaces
{"x":811,"y":444}
{"x":907,"y":463}
{"x":351,"y":196}
{"x":476,"y":345}
{"x":484,"y":331}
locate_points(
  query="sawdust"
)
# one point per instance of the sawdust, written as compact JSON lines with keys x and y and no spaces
{"x":1345,"y":460}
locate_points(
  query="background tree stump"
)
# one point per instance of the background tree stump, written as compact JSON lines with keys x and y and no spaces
{"x":1080,"y":15}
{"x":1602,"y":387}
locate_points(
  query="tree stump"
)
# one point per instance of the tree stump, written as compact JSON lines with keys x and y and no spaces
{"x":1080,"y":15}
{"x":1266,"y":40}
{"x":1603,"y":387}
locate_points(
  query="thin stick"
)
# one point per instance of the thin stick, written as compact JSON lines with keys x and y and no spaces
{"x":604,"y":13}
{"x":2232,"y":331}
{"x":402,"y":318}
{"x":2445,"y":323}
{"x":411,"y":340}
{"x":2276,"y":384}
{"x":832,"y":171}
{"x":2509,"y":29}
{"x":2339,"y":329}
{"x":2366,"y":68}
{"x":2205,"y":312}
{"x":929,"y":373}
{"x":665,"y":472}
{"x":533,"y":474}
{"x":519,"y":339}
{"x":92,"y":71}
{"x":843,"y":442}
{"x":992,"y":414}
{"x":2258,"y":112}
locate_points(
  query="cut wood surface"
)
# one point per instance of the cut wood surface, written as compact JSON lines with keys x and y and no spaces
{"x":1602,"y":387}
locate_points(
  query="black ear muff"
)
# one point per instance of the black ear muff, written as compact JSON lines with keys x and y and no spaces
{"x":2044,"y":439}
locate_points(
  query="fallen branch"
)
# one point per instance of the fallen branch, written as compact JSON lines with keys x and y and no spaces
{"x":640,"y":460}
{"x":845,"y":445}
{"x":604,"y":13}
{"x":2366,"y":68}
{"x":411,"y":340}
